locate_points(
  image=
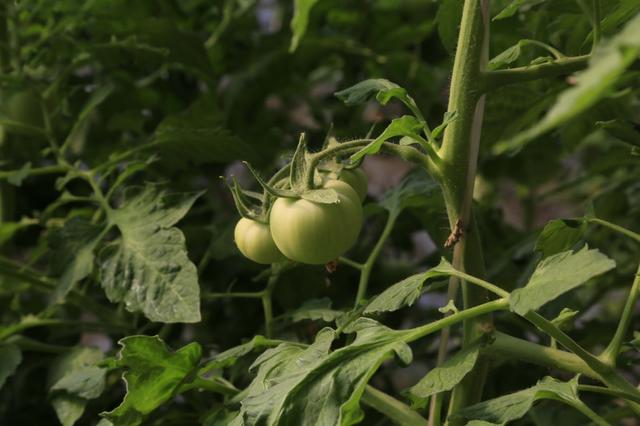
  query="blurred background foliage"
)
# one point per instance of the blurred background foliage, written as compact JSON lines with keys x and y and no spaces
{"x":191,"y":87}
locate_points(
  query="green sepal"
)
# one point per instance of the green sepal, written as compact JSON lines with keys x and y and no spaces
{"x":298,"y":175}
{"x":270,"y":189}
{"x":243,"y":205}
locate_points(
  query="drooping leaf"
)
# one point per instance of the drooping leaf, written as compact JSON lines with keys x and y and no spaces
{"x":74,"y":379}
{"x":559,"y":235}
{"x":367,"y":89}
{"x":407,"y":291}
{"x":447,"y":375}
{"x":606,"y":66}
{"x":300,"y":21}
{"x":153,"y":376}
{"x":623,"y":130}
{"x":504,"y":409}
{"x":73,"y":248}
{"x":10,"y":359}
{"x":312,"y":385}
{"x":514,"y":6}
{"x":557,"y":275}
{"x":230,"y":356}
{"x":148,"y":268}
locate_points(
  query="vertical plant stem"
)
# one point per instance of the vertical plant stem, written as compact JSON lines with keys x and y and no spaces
{"x":596,"y":24}
{"x":610,"y":354}
{"x":459,"y":153}
{"x":365,"y":271}
{"x":267,"y":303}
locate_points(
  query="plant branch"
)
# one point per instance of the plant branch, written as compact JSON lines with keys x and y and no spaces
{"x":610,"y":354}
{"x":365,"y":272}
{"x":614,"y":227}
{"x":492,"y":80}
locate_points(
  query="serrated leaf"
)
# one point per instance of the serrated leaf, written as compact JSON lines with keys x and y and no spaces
{"x":321,"y":196}
{"x":560,"y":235}
{"x":499,"y":411}
{"x":312,"y":385}
{"x":73,"y":248}
{"x":147,"y":268}
{"x":447,"y":375}
{"x":153,"y":376}
{"x":407,"y":291}
{"x":514,"y":6}
{"x":557,"y":275}
{"x":315,"y":309}
{"x":606,"y":66}
{"x":300,"y":21}
{"x":10,"y":359}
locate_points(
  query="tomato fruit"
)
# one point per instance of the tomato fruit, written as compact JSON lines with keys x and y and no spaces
{"x":357,"y":179}
{"x":316,"y":233}
{"x":255,"y":242}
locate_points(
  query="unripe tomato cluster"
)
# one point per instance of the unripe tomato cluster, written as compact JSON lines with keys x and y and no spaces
{"x":305,"y":231}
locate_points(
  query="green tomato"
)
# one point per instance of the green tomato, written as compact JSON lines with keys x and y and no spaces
{"x":255,"y":242}
{"x":316,"y":233}
{"x":357,"y":179}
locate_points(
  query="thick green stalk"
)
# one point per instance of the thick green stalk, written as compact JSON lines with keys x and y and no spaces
{"x":459,"y":154}
{"x":399,"y":412}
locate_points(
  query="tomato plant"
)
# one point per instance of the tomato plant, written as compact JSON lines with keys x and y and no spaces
{"x":428,"y":212}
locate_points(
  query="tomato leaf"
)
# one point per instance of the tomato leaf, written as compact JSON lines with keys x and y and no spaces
{"x":557,"y":275}
{"x":448,"y":19}
{"x":10,"y":359}
{"x":407,"y":291}
{"x":514,"y":6}
{"x":291,"y":382}
{"x":147,"y":268}
{"x":560,"y":235}
{"x":447,"y":375}
{"x":153,"y":376}
{"x":606,"y":68}
{"x":300,"y":20}
{"x":407,"y":125}
{"x":416,"y":189}
{"x":315,"y":310}
{"x":504,"y":409}
{"x":624,"y":130}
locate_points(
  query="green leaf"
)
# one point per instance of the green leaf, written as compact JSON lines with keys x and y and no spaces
{"x":514,"y":6}
{"x":315,"y":310}
{"x":557,"y":275}
{"x":80,"y":127}
{"x":300,"y":20}
{"x":321,"y":196}
{"x":18,"y":176}
{"x":564,"y":320}
{"x":407,"y":125}
{"x":9,"y":229}
{"x":504,"y":409}
{"x":74,"y":378}
{"x":147,"y":268}
{"x":448,"y":17}
{"x":230,"y":356}
{"x":407,"y":291}
{"x":312,"y":385}
{"x":416,"y":189}
{"x":449,"y":117}
{"x":73,"y":248}
{"x":447,"y":375}
{"x":199,"y":135}
{"x":560,"y":235}
{"x":384,"y":90}
{"x":506,"y":57}
{"x":623,"y":130}
{"x":153,"y":376}
{"x":606,"y":66}
{"x":10,"y":359}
